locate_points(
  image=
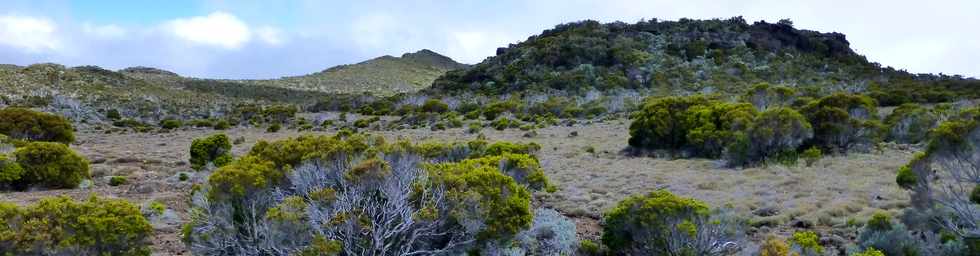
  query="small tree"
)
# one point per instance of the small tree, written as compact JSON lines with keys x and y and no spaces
{"x":774,"y":132}
{"x":843,"y":122}
{"x":215,"y":149}
{"x":945,"y":176}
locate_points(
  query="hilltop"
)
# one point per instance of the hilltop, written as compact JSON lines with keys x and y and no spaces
{"x":693,"y":56}
{"x":86,"y":93}
{"x":385,"y":75}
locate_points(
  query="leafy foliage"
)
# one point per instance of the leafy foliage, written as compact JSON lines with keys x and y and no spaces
{"x":49,"y":165}
{"x":910,"y":123}
{"x":20,"y":123}
{"x":661,"y":223}
{"x":362,"y":195}
{"x":843,"y":121}
{"x":214,"y":149}
{"x":62,"y":226}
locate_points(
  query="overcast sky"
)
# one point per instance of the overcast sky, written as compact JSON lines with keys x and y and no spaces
{"x":268,"y":39}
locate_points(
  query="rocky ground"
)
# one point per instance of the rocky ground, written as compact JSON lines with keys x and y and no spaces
{"x":830,"y":195}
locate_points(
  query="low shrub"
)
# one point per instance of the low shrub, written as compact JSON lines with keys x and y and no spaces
{"x":811,"y":155}
{"x":117,"y":180}
{"x":274,"y":128}
{"x":26,"y":124}
{"x":170,"y":124}
{"x":808,"y":243}
{"x":314,"y":193}
{"x":62,"y":226}
{"x":693,"y":126}
{"x":435,"y":106}
{"x":214,"y":149}
{"x":113,"y":114}
{"x":661,"y":223}
{"x":222,"y":125}
{"x":842,"y":122}
{"x":50,"y":165}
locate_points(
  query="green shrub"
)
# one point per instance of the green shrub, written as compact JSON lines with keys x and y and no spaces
{"x":811,"y":155}
{"x":808,"y":243}
{"x":10,"y":171}
{"x":843,"y":121}
{"x":693,"y":125}
{"x":879,"y":221}
{"x":365,"y":122}
{"x":183,"y":176}
{"x":26,"y":124}
{"x":222,"y":125}
{"x":279,"y":114}
{"x":435,"y":106}
{"x":62,"y":226}
{"x":117,"y":180}
{"x":50,"y":165}
{"x":775,"y":133}
{"x":474,"y":128}
{"x":869,"y":252}
{"x":273,"y":128}
{"x":170,"y":124}
{"x":113,"y":114}
{"x":215,"y":149}
{"x":648,"y":224}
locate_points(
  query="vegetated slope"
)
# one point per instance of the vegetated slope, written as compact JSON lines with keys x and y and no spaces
{"x":85,"y":93}
{"x":386,"y":75}
{"x":686,"y":56}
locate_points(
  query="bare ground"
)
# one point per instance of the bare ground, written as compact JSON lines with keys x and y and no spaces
{"x":776,"y":199}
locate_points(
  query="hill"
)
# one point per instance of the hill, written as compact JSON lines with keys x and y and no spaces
{"x":85,"y":93}
{"x":691,"y":56}
{"x":386,"y":75}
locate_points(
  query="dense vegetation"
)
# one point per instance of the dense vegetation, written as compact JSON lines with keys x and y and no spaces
{"x":45,"y":165}
{"x":354,"y":194}
{"x":62,"y":226}
{"x":26,"y":124}
{"x":944,"y":181}
{"x":677,"y":57}
{"x":781,"y":127}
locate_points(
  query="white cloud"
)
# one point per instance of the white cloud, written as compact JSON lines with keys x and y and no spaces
{"x":473,"y":46}
{"x":270,"y":35}
{"x":31,"y":34}
{"x":217,"y":29}
{"x":105,"y":31}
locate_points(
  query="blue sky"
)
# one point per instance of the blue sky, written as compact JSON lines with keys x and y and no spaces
{"x":268,"y":39}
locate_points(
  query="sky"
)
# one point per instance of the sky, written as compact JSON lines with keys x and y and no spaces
{"x":270,"y":39}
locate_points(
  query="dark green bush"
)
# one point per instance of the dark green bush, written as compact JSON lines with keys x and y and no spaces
{"x":843,"y":121}
{"x":26,"y":124}
{"x":693,"y":125}
{"x":10,"y":171}
{"x":215,"y":149}
{"x":435,"y":106}
{"x":279,"y":114}
{"x":62,"y":226}
{"x":50,"y":165}
{"x":775,"y":133}
{"x":117,"y":180}
{"x":113,"y":114}
{"x":222,"y":125}
{"x":273,"y":128}
{"x":171,"y":124}
{"x":365,"y":122}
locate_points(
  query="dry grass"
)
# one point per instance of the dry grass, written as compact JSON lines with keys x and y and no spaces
{"x":836,"y":189}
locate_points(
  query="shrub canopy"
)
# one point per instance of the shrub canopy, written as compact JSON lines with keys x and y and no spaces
{"x":50,"y":165}
{"x":26,"y":124}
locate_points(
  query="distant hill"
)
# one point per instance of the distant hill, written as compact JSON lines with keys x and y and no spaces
{"x":386,"y":75}
{"x":692,"y":56}
{"x":84,"y":93}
